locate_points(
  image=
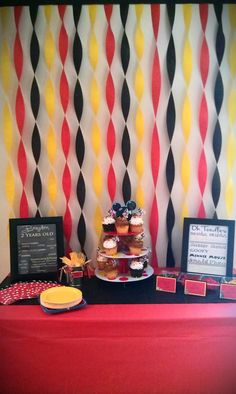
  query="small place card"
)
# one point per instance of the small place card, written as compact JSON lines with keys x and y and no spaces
{"x":167,"y":284}
{"x":195,"y":287}
{"x":228,"y":291}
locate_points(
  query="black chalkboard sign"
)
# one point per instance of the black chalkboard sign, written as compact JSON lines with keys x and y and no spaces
{"x":208,"y":246}
{"x":36,"y":245}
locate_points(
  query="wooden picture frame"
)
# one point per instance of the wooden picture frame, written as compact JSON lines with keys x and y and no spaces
{"x":208,"y":246}
{"x":36,"y":245}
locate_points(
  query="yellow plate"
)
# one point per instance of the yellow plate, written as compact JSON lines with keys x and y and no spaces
{"x":61,"y":297}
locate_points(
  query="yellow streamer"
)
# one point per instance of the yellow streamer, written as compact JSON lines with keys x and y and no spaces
{"x":4,"y":15}
{"x":139,"y":124}
{"x":187,"y":61}
{"x":229,"y":197}
{"x":98,"y":220}
{"x":185,"y":171}
{"x":138,"y":11}
{"x":51,"y":144}
{"x":94,"y":96}
{"x":139,"y":83}
{"x":232,"y":57}
{"x":49,"y":49}
{"x":139,"y":42}
{"x":232,"y":107}
{"x":97,"y":180}
{"x":10,"y":185}
{"x":140,"y":163}
{"x":48,"y":12}
{"x":93,"y":51}
{"x":5,"y":67}
{"x":7,"y":128}
{"x":50,"y":98}
{"x":52,"y":212}
{"x":187,"y":10}
{"x":92,"y":13}
{"x":231,"y":151}
{"x":232,"y":15}
{"x":186,"y":118}
{"x":140,"y":196}
{"x":52,"y":187}
{"x":96,"y":139}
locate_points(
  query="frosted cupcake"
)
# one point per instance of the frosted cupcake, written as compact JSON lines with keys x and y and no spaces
{"x":136,"y":269}
{"x":136,"y":244}
{"x":136,"y":224}
{"x":101,"y":262}
{"x":110,"y":246}
{"x":108,"y":224}
{"x":122,"y":225}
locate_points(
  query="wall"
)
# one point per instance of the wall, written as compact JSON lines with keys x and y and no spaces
{"x":102,"y":104}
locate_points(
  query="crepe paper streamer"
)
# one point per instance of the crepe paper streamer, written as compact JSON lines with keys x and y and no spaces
{"x":185,"y":211}
{"x":4,"y":15}
{"x":139,"y":83}
{"x":94,"y":96}
{"x":185,"y":171}
{"x":18,"y":55}
{"x":51,"y":145}
{"x":153,"y":227}
{"x":231,"y":151}
{"x":66,"y":182}
{"x":93,"y":51}
{"x":110,"y":99}
{"x":63,"y":43}
{"x":24,"y":208}
{"x":187,"y":12}
{"x":49,"y":50}
{"x":232,"y":107}
{"x":20,"y":110}
{"x":140,"y":196}
{"x":202,"y":172}
{"x":126,"y":187}
{"x":64,"y":91}
{"x":187,"y":61}
{"x":170,"y":221}
{"x":92,"y":13}
{"x":140,"y":163}
{"x":65,"y":137}
{"x":156,"y":81}
{"x":232,"y":15}
{"x":67,"y":224}
{"x":81,"y":190}
{"x":37,"y":187}
{"x":5,"y":66}
{"x":186,"y":118}
{"x":139,"y":41}
{"x":52,"y":187}
{"x":22,"y":162}
{"x":96,"y":138}
{"x":78,"y":100}
{"x":7,"y":128}
{"x":49,"y":95}
{"x":139,"y":125}
{"x":97,"y":220}
{"x":229,"y":197}
{"x":97,"y":180}
{"x":10,"y":184}
{"x":203,"y":118}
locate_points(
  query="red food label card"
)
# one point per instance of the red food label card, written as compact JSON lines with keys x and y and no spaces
{"x":77,"y":274}
{"x":166,"y":284}
{"x":228,"y":291}
{"x":195,"y":287}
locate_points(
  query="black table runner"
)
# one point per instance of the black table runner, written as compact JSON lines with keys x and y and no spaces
{"x":97,"y":291}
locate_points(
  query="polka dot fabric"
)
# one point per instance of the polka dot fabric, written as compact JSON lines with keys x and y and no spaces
{"x":24,"y":290}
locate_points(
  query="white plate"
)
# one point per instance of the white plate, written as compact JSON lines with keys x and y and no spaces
{"x":125,"y":278}
{"x":120,"y":255}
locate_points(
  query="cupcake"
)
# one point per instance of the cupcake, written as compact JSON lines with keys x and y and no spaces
{"x":122,"y":225}
{"x":110,"y":246}
{"x":136,"y":269}
{"x":136,"y":244}
{"x":101,"y":262}
{"x":136,"y":224}
{"x":108,"y":224}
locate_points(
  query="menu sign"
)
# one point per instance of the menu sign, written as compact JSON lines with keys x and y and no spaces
{"x":208,"y":246}
{"x":37,"y":248}
{"x":36,"y":245}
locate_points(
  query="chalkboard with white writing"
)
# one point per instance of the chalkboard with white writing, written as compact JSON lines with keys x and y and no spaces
{"x":36,"y":245}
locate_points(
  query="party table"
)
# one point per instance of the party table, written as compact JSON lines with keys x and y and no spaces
{"x":119,"y":349}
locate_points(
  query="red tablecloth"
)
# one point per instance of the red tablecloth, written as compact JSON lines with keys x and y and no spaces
{"x":119,"y":349}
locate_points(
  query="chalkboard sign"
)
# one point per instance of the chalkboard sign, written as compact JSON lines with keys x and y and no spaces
{"x":208,"y":246}
{"x":36,"y":245}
